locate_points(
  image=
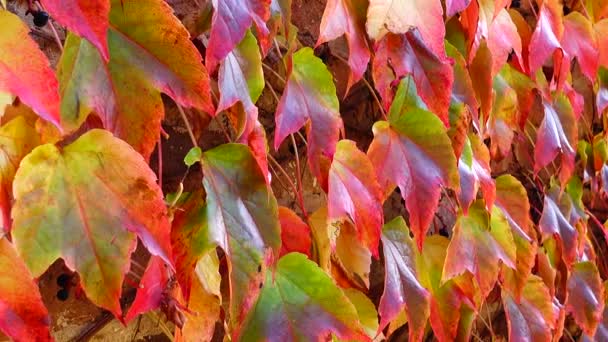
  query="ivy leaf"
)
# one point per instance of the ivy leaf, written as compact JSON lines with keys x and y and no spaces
{"x":150,"y":51}
{"x":474,"y":170}
{"x":398,"y":17}
{"x":310,"y":97}
{"x":414,"y":153}
{"x":409,"y":55}
{"x":300,"y":303}
{"x":83,"y":203}
{"x":151,"y":288}
{"x":452,"y":303}
{"x":243,"y":220}
{"x":204,"y":312}
{"x":556,"y":221}
{"x":462,"y":88}
{"x":547,"y":35}
{"x":295,"y":234}
{"x":230,"y":22}
{"x":34,"y":82}
{"x":87,"y":18}
{"x":189,"y":237}
{"x":557,"y":134}
{"x":241,"y":79}
{"x":532,"y":317}
{"x":17,"y":138}
{"x":368,"y":316}
{"x":24,"y":317}
{"x":585,"y":299}
{"x":351,"y":259}
{"x":579,"y":41}
{"x":601,"y":333}
{"x":512,"y":201}
{"x":477,"y":246}
{"x":347,"y":17}
{"x":354,"y":193}
{"x":401,"y":286}
{"x":503,"y":39}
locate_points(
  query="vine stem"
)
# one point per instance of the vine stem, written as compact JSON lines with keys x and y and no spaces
{"x":160,"y":160}
{"x":274,"y":73}
{"x":298,"y":171}
{"x":297,"y":194}
{"x":187,"y":123}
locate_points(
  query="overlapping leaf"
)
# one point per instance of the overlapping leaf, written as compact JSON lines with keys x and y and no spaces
{"x":243,"y":220}
{"x":87,"y":18}
{"x":414,"y":152}
{"x":310,"y":98}
{"x":204,"y":313}
{"x":230,"y":21}
{"x":83,"y":203}
{"x":400,"y":16}
{"x":557,"y":134}
{"x":150,"y":51}
{"x":241,"y":79}
{"x":17,"y":138}
{"x":347,"y":17}
{"x":300,"y":303}
{"x":557,"y":221}
{"x":579,"y":42}
{"x":24,"y":317}
{"x":532,"y":317}
{"x":402,"y":290}
{"x":478,"y":244}
{"x":295,"y":234}
{"x":151,"y":289}
{"x":474,"y":171}
{"x":34,"y":82}
{"x":548,"y":34}
{"x":585,"y":296}
{"x":409,"y":55}
{"x":354,"y":193}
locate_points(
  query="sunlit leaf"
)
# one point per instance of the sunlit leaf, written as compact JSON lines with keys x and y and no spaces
{"x":243,"y":220}
{"x":310,"y":99}
{"x":474,"y":171}
{"x":556,"y":221}
{"x":300,"y":303}
{"x":354,"y":193}
{"x":150,"y":52}
{"x":548,"y":34}
{"x":151,"y":289}
{"x":402,"y":290}
{"x":295,"y":233}
{"x":34,"y":82}
{"x":83,"y":203}
{"x":24,"y":317}
{"x":585,"y":296}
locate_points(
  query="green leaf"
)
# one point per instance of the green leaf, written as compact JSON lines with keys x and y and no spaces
{"x":193,"y":156}
{"x":300,"y":302}
{"x":243,"y":220}
{"x":83,"y":203}
{"x":150,"y":52}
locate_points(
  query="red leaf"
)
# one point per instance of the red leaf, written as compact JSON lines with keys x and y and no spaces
{"x":295,"y":234}
{"x":547,"y":35}
{"x":462,"y":88}
{"x":579,"y":41}
{"x":354,"y":193}
{"x":87,"y":18}
{"x":503,"y":39}
{"x":401,"y":286}
{"x":151,"y":288}
{"x":557,"y":134}
{"x":432,"y":73}
{"x":532,"y":318}
{"x":23,"y":315}
{"x":400,"y":16}
{"x":474,"y":170}
{"x":414,"y":153}
{"x":481,"y":76}
{"x":34,"y":82}
{"x":347,"y":17}
{"x":230,"y":21}
{"x":585,"y":296}
{"x":310,"y":96}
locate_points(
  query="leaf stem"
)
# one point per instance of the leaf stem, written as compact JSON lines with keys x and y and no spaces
{"x":276,"y":74}
{"x":297,"y":194}
{"x":187,"y":123}
{"x":159,"y":147}
{"x":298,"y":170}
{"x":57,"y":40}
